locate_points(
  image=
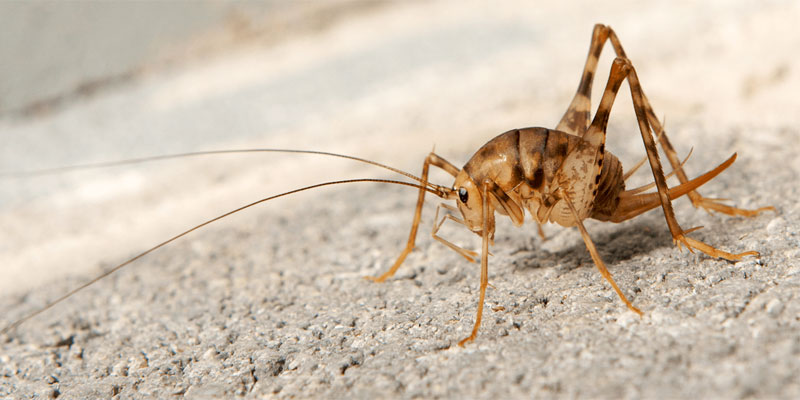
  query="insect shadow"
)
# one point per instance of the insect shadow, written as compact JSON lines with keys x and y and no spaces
{"x":624,"y":243}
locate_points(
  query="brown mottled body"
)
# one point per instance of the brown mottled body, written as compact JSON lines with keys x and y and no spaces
{"x":530,"y":165}
{"x":565,"y":176}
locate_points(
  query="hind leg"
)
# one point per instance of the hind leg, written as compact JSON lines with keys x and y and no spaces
{"x":697,"y":199}
{"x":601,"y":266}
{"x":622,"y":69}
{"x":576,"y":118}
{"x":678,"y":234}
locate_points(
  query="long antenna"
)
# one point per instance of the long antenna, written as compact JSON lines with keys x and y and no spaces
{"x":438,"y":192}
{"x":48,"y":171}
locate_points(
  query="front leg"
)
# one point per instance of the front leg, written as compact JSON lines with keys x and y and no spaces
{"x":487,"y":214}
{"x":431,"y":159}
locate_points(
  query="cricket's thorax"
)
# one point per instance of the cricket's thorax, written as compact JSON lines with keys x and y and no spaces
{"x":529,"y":166}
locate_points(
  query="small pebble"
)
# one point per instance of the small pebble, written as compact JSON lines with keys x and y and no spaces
{"x":774,"y":307}
{"x":775,"y":227}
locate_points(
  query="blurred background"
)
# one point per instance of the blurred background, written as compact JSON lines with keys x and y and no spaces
{"x":57,"y":51}
{"x":100,"y":81}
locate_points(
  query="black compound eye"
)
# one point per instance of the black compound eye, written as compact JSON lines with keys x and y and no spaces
{"x":463,"y":195}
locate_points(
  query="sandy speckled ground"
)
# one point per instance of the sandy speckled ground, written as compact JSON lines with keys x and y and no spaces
{"x":270,"y":303}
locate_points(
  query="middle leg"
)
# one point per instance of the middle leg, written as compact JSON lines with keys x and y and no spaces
{"x":595,"y":255}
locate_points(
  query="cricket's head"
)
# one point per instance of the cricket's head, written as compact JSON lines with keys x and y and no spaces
{"x":470,"y":201}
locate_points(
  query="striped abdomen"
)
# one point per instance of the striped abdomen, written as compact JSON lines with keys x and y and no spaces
{"x":530,"y":165}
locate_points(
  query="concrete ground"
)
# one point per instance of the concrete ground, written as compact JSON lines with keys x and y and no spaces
{"x":271,"y":302}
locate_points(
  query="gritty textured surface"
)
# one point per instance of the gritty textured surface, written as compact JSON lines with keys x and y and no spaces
{"x":271,"y":302}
